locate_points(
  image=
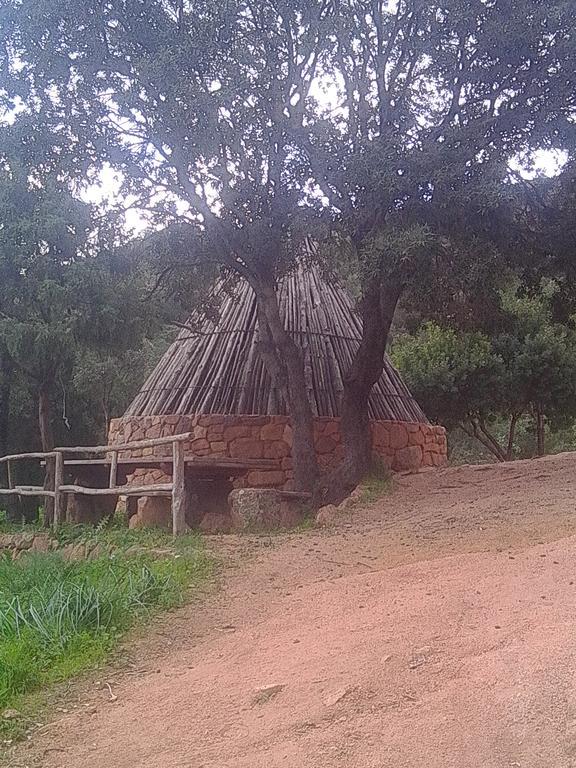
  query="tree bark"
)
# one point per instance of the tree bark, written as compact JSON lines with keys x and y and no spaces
{"x":11,"y":503}
{"x":377,"y":309}
{"x":6,"y":372}
{"x":285,"y":364}
{"x":511,"y":435}
{"x":484,"y":437}
{"x":47,"y":440}
{"x":540,"y":431}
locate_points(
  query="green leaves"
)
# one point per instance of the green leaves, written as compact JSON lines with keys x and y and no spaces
{"x":452,"y":374}
{"x":461,"y":377}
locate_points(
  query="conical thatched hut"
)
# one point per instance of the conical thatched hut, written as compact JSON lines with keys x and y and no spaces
{"x":212,"y":381}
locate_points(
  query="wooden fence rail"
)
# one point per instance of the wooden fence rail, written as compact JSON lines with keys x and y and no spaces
{"x":176,"y":488}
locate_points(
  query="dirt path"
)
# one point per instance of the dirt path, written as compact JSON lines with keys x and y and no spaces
{"x":434,"y":629}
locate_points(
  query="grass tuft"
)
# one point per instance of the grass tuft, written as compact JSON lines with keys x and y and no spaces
{"x":60,"y":618}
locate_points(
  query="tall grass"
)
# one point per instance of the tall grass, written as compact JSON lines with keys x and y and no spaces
{"x":58,"y":618}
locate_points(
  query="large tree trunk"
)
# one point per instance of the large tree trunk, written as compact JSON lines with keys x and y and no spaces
{"x":47,"y":440}
{"x":377,"y":310}
{"x":285,"y":363}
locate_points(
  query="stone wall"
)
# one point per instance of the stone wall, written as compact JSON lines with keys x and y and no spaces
{"x":401,"y":445}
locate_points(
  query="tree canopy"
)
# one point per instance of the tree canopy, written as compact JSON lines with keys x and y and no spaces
{"x":385,"y":129}
{"x":470,"y":379}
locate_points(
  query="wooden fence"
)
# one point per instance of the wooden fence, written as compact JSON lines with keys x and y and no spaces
{"x":176,"y":488}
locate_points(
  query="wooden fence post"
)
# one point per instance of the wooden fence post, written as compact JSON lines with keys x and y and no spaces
{"x":114,"y":470}
{"x":178,"y":489}
{"x":10,"y":475}
{"x":58,"y":481}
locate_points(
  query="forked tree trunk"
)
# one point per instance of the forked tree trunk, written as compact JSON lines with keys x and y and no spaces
{"x":377,"y":309}
{"x":479,"y":432}
{"x":285,"y":364}
{"x":47,"y":440}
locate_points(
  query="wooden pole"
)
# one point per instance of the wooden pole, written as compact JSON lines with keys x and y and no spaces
{"x":133,"y":446}
{"x":158,"y":489}
{"x":178,"y":489}
{"x":58,"y":495}
{"x":10,"y":475}
{"x":113,"y":469}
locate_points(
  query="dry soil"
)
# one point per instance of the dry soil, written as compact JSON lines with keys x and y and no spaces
{"x":434,"y":628}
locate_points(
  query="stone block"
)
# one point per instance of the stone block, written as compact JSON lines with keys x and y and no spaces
{"x":256,"y":421}
{"x":325,"y":444}
{"x":412,"y":427}
{"x":153,"y":512}
{"x":153,"y":431}
{"x":218,"y":446}
{"x":381,"y":434}
{"x":199,"y":445}
{"x":234,"y":431}
{"x":326,"y":516}
{"x":416,"y":438}
{"x":266,"y":477}
{"x":216,"y":431}
{"x":215,"y":522}
{"x":398,"y":436}
{"x":246,"y":448}
{"x":255,"y":509}
{"x":276,"y":450}
{"x":408,"y":459}
{"x":318,"y":428}
{"x":333,"y":429}
{"x":211,"y":419}
{"x":199,"y":432}
{"x":272,"y":431}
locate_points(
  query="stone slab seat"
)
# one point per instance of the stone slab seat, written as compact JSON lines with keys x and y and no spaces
{"x":265,"y":509}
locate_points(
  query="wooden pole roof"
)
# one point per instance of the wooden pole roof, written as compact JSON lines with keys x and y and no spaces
{"x":215,"y":366}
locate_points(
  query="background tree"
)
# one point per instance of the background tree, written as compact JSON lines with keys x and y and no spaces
{"x":63,"y":292}
{"x":475,"y":382}
{"x":434,"y":100}
{"x":192,"y":103}
{"x":209,"y":113}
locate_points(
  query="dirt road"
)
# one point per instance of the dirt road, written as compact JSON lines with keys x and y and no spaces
{"x":434,"y":629}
